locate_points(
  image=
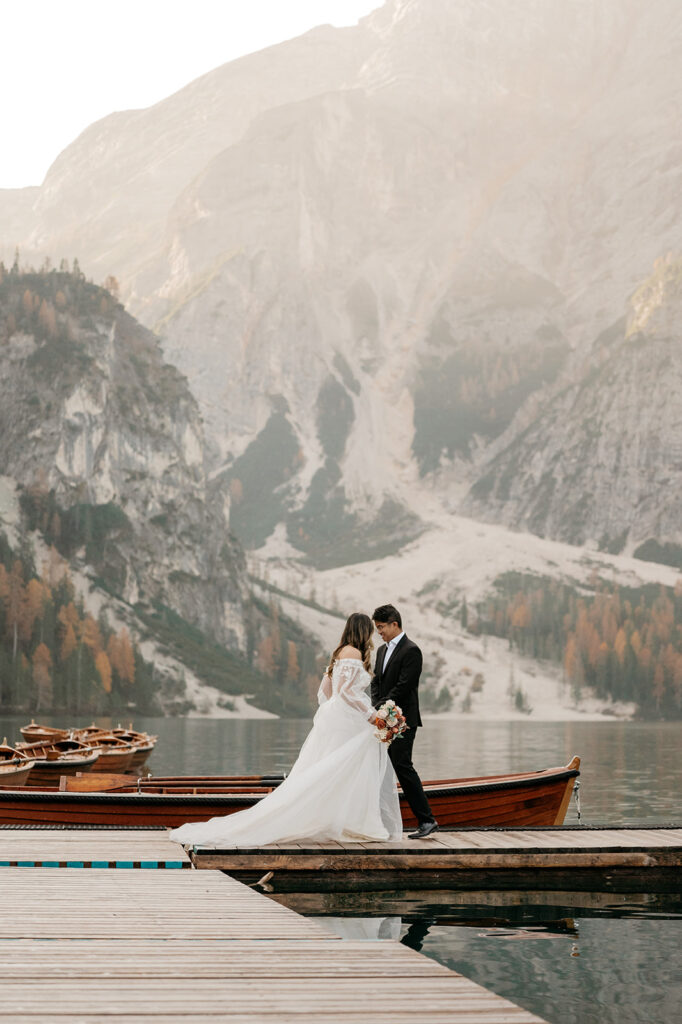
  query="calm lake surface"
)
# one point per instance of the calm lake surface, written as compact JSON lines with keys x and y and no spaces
{"x":592,"y":958}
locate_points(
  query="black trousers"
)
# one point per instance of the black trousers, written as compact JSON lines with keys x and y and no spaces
{"x":400,"y":753}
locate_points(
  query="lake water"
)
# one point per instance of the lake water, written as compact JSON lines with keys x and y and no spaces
{"x":571,"y":958}
{"x":591,"y":958}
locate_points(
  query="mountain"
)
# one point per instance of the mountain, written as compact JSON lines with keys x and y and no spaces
{"x":600,"y":460}
{"x":92,"y":417}
{"x":394,"y":262}
{"x":102,"y":459}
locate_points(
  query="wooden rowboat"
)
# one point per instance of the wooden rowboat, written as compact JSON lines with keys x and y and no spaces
{"x":43,"y":733}
{"x":15,"y":767}
{"x":519,"y":800}
{"x":57,"y":759}
{"x":142,"y":741}
{"x":115,"y":754}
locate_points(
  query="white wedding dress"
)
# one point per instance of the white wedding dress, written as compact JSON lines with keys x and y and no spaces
{"x":342,"y":786}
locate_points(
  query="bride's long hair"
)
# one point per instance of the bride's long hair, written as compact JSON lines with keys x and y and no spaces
{"x":356,"y":633}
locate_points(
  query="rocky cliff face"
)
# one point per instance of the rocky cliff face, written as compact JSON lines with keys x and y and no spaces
{"x":106,"y":443}
{"x":382,"y":256}
{"x":600,"y":460}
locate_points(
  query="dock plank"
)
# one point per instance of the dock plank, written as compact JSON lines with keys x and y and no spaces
{"x":479,"y":840}
{"x":462,"y":1016}
{"x":145,"y":904}
{"x":138,"y":958}
{"x":448,"y":997}
{"x":634,"y":849}
{"x":122,"y":846}
{"x":644,"y":837}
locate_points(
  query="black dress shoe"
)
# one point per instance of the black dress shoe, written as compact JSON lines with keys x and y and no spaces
{"x":424,"y":830}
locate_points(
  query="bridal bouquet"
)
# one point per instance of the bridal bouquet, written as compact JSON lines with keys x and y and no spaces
{"x":390,"y":723}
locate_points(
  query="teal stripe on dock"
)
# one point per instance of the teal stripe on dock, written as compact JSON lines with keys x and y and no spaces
{"x":126,"y":865}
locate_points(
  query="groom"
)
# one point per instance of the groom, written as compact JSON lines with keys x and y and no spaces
{"x":396,"y":677}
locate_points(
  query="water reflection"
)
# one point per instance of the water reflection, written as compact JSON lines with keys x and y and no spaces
{"x":417,"y":932}
{"x":363,"y":928}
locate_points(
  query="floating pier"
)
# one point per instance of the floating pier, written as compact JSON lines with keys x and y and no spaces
{"x":121,"y":946}
{"x":573,"y":857}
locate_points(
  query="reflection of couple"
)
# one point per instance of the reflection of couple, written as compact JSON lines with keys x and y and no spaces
{"x":343,"y":784}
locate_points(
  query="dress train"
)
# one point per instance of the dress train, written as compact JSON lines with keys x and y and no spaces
{"x":342,"y":786}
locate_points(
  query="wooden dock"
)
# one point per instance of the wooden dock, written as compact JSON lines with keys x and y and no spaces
{"x":486,"y":858}
{"x":121,"y":946}
{"x":90,"y":848}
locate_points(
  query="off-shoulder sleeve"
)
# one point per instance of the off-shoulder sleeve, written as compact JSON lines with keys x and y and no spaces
{"x":325,"y":690}
{"x":349,"y":675}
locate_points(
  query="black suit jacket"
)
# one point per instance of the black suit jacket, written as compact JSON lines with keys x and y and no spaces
{"x":400,"y":681}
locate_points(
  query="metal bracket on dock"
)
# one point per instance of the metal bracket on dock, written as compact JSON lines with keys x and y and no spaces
{"x":576,"y":794}
{"x":149,"y":775}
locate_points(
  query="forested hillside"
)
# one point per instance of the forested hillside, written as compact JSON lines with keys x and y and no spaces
{"x":102,"y":464}
{"x":54,"y":654}
{"x":624,"y":642}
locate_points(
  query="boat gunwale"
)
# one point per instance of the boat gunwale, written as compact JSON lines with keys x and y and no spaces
{"x":12,"y":767}
{"x":200,"y":799}
{"x":71,"y":758}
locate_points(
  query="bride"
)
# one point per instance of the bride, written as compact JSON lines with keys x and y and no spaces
{"x":342,"y":786}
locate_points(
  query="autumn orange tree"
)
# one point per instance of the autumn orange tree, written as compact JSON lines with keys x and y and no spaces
{"x":54,"y":654}
{"x":284,"y":656}
{"x":626,"y":643}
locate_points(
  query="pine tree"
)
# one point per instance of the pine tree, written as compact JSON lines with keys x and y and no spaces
{"x":15,"y":593}
{"x":92,"y":637}
{"x":47,"y":318}
{"x":104,"y":670}
{"x":266,"y":657}
{"x":33,"y":604}
{"x":42,"y":662}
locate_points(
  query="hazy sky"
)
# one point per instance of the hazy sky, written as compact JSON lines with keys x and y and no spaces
{"x":65,"y":64}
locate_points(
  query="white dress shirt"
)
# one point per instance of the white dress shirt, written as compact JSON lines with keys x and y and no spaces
{"x":390,"y":647}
